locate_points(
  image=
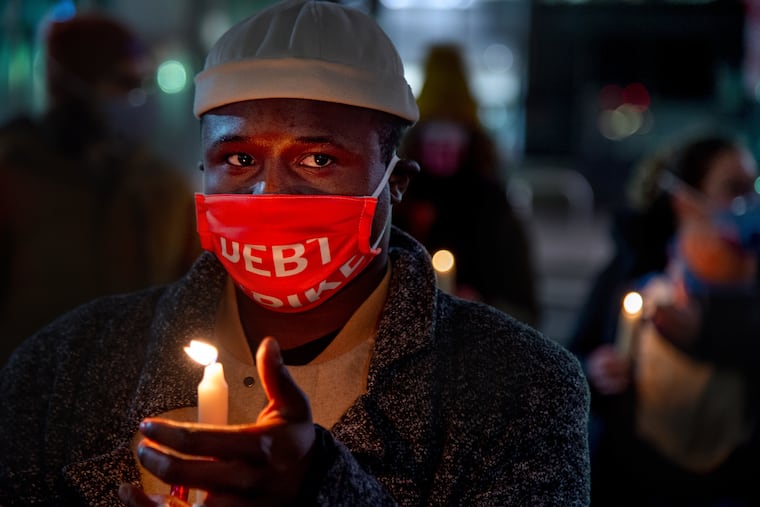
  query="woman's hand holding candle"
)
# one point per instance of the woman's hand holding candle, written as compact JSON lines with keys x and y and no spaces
{"x":267,"y":460}
{"x":608,"y":367}
{"x":608,"y":372}
{"x":630,"y":318}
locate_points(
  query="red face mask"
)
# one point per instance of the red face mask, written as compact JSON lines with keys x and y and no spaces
{"x":290,"y":253}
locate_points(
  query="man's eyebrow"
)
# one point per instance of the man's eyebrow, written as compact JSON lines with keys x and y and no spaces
{"x":317,"y":140}
{"x":229,"y":139}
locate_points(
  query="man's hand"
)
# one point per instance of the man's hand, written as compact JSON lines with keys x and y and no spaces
{"x":263,"y":463}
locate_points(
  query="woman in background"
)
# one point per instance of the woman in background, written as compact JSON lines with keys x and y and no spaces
{"x":671,"y":427}
{"x":458,"y":201}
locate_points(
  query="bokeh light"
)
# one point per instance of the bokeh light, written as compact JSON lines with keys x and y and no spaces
{"x":619,"y":123}
{"x":624,"y":111}
{"x":443,"y":261}
{"x":63,"y":10}
{"x":171,"y":76}
{"x":498,"y":58}
{"x":637,"y":95}
{"x":610,"y":97}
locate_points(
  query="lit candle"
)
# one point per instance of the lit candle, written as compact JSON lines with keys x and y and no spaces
{"x":213,"y":400}
{"x":630,"y":315}
{"x":445,"y":272}
{"x":213,"y":396}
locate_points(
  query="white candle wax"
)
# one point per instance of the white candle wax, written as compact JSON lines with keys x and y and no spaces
{"x":630,"y":315}
{"x":213,"y":396}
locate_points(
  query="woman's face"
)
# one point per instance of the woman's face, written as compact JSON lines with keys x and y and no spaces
{"x":731,"y":174}
{"x":707,"y":248}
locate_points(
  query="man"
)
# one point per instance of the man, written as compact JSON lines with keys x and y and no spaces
{"x":394,"y":393}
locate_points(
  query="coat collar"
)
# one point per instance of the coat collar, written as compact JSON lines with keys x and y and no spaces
{"x":409,"y":317}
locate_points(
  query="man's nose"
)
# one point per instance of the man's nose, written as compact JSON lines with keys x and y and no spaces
{"x":258,"y":188}
{"x":273,"y":179}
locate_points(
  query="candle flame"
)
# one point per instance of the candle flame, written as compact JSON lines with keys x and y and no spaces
{"x":202,"y":352}
{"x":632,"y":303}
{"x":443,"y":261}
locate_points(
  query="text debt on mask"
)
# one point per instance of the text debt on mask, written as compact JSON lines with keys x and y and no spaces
{"x":285,"y":261}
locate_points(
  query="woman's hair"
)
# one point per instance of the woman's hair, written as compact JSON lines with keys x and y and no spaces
{"x":689,"y":161}
{"x":692,"y":161}
{"x":644,"y":184}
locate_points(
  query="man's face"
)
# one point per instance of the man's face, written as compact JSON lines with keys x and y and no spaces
{"x":291,"y":146}
{"x":294,"y":146}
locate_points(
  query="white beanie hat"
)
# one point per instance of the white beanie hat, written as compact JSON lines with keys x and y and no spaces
{"x":306,"y":49}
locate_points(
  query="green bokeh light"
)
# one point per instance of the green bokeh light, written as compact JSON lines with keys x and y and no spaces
{"x":171,"y":76}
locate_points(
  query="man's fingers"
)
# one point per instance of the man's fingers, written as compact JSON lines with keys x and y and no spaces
{"x":235,"y":442}
{"x":286,"y":400}
{"x":237,"y":458}
{"x":197,"y":472}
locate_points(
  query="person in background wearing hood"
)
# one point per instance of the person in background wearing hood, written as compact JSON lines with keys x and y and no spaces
{"x":87,"y":208}
{"x":459,"y":201}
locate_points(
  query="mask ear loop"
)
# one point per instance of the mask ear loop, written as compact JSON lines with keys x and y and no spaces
{"x":386,"y":176}
{"x":673,"y":185}
{"x":380,"y":187}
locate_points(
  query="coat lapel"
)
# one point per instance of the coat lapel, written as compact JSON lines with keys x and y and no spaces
{"x":393,"y":429}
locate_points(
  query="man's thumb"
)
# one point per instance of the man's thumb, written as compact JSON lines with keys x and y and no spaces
{"x":281,"y":390}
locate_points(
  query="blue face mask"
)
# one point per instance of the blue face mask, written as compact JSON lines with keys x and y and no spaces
{"x":744,"y":220}
{"x":741,"y":221}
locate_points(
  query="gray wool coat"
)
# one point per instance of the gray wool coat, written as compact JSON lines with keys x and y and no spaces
{"x":464,"y":404}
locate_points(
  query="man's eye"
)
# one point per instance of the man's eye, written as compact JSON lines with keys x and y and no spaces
{"x":317,"y":160}
{"x":240,"y":159}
